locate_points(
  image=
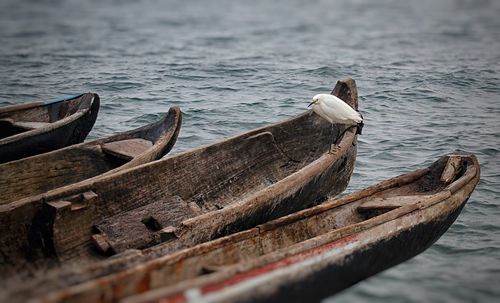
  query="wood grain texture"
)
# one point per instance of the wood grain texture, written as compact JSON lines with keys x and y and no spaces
{"x":35,"y":175}
{"x":38,"y":128}
{"x":282,"y":259}
{"x":231,"y":185}
{"x":127,"y":149}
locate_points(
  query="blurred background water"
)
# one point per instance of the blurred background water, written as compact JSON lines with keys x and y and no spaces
{"x":427,"y":73}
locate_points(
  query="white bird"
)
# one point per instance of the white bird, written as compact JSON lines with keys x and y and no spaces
{"x":336,"y":111}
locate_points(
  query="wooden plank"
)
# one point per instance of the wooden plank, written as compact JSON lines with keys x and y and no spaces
{"x":30,"y":124}
{"x":390,"y":202}
{"x":127,"y":149}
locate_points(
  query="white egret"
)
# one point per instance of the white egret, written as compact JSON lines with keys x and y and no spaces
{"x":336,"y":111}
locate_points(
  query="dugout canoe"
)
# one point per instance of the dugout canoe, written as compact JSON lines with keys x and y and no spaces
{"x":302,"y":257}
{"x":38,"y":127}
{"x":41,"y":173}
{"x":186,"y":199}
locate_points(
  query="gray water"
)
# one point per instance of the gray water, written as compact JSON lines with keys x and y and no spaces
{"x":427,"y":74}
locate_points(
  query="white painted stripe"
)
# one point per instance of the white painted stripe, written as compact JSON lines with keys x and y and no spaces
{"x":194,"y":295}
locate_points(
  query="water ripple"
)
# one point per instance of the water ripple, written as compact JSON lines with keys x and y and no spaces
{"x":427,"y":75}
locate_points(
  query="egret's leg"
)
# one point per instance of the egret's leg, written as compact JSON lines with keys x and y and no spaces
{"x":333,"y":145}
{"x":340,"y":136}
{"x":343,"y":133}
{"x":332,"y":130}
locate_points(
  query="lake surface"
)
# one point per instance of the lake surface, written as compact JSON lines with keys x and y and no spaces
{"x":428,"y":76}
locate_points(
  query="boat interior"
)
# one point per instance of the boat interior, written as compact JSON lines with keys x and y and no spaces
{"x":278,"y":235}
{"x":212,"y":178}
{"x":26,"y":118}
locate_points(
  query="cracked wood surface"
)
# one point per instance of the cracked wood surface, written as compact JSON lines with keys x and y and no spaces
{"x":36,"y":175}
{"x":293,"y":172}
{"x":288,"y":259}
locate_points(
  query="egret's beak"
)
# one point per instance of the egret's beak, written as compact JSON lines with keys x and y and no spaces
{"x":311,"y":103}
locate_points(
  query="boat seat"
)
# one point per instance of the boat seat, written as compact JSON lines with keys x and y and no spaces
{"x":379,"y":205}
{"x":127,"y":149}
{"x":26,"y":124}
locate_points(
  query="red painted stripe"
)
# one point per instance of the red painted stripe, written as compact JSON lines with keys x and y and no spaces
{"x":275,"y":265}
{"x":179,"y":297}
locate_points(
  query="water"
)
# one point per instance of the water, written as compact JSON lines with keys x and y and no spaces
{"x":427,"y":73}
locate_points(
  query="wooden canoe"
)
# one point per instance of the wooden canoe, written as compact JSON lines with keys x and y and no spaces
{"x":38,"y":127}
{"x":186,"y":199}
{"x":41,"y":173}
{"x":302,"y":257}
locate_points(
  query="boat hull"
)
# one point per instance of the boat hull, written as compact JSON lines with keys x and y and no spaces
{"x":304,"y":256}
{"x":53,"y":137}
{"x":334,"y":269}
{"x":20,"y":204}
{"x":318,"y":268}
{"x":227,"y":184}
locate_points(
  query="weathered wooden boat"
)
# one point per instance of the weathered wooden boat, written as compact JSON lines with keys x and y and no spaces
{"x":302,"y":257}
{"x":41,"y":173}
{"x":186,"y":199}
{"x":38,"y":127}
